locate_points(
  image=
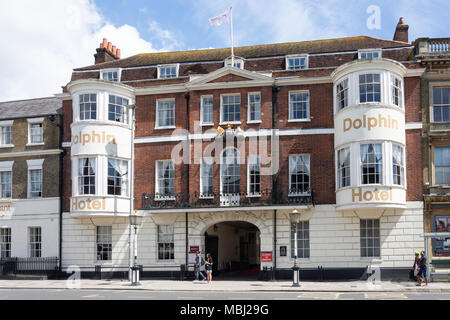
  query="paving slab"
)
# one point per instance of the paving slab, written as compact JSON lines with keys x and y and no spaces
{"x":230,"y":286}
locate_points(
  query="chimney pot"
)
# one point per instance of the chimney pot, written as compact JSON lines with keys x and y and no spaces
{"x":118,"y":53}
{"x":104,"y":43}
{"x":109,"y":46}
{"x":401,"y":31}
{"x":113,"y":50}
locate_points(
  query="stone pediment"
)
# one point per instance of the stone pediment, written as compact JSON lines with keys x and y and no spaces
{"x":229,"y":75}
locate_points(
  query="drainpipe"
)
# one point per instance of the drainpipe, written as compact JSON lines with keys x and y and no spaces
{"x":187,"y":96}
{"x":61,"y":177}
{"x":274,"y":244}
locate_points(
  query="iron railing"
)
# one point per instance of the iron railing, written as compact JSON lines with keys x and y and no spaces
{"x":32,"y":266}
{"x":221,"y":200}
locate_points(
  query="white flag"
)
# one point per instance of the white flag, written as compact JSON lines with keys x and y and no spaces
{"x":220,"y":19}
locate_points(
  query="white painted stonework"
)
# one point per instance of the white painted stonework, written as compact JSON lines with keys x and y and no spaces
{"x":21,"y":214}
{"x":334,"y":237}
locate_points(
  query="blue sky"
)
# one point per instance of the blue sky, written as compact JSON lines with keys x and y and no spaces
{"x":261,"y":21}
{"x":47,"y":39}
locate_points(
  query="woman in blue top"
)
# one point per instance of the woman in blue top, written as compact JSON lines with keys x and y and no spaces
{"x":208,"y":267}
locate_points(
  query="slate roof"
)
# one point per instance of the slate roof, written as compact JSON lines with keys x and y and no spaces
{"x":257,"y":51}
{"x":30,"y":108}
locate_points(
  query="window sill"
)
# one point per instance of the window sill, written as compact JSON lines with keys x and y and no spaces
{"x":230,"y":122}
{"x":299,"y":194}
{"x":168,"y":198}
{"x":35,"y":144}
{"x":206,"y":196}
{"x":299,"y":120}
{"x":165,"y":128}
{"x":6,"y":146}
{"x":253,"y":195}
{"x":373,"y":259}
{"x":254,"y":121}
{"x":3,"y":200}
{"x":207,"y":124}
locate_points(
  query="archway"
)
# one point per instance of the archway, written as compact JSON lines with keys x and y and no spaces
{"x":235,"y":248}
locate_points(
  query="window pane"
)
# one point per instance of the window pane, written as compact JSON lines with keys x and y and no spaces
{"x":371,"y":163}
{"x":298,"y":105}
{"x":299,"y":174}
{"x":231,"y":108}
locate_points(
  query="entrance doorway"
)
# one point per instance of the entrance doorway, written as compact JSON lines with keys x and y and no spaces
{"x":235,"y":249}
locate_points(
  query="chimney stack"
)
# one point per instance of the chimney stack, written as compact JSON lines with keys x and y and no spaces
{"x":401,"y":31}
{"x":106,"y":52}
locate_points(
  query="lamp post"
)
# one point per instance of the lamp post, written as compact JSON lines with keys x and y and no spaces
{"x":295,"y":219}
{"x":135,"y":221}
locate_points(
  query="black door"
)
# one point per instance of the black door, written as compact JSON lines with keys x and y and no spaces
{"x":212,"y":247}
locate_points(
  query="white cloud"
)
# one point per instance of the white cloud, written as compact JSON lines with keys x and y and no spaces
{"x":42,"y":41}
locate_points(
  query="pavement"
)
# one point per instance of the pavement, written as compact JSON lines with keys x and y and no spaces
{"x":230,"y":286}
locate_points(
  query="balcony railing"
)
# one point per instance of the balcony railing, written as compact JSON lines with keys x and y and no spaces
{"x":220,"y":200}
{"x":433,"y":47}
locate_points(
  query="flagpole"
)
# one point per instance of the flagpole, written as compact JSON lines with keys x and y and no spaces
{"x":231,"y":33}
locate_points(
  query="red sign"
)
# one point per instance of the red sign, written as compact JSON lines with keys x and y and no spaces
{"x":266,"y":256}
{"x":194,"y":248}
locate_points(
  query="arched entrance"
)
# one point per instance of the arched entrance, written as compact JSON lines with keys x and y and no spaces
{"x":235,"y":248}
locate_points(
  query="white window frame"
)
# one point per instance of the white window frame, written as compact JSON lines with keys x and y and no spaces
{"x":381,"y":74}
{"x":338,"y":182}
{"x":434,"y":177}
{"x":373,"y":237}
{"x":171,"y":251}
{"x":211,"y":162}
{"x":402,"y":165}
{"x":118,"y":70}
{"x":31,"y":242}
{"x":292,"y":241}
{"x":124,"y":177}
{"x":96,"y":175}
{"x":31,"y":122}
{"x":157,"y":195}
{"x":345,"y":91}
{"x":5,"y":242}
{"x":97,"y":242}
{"x":124,"y":107}
{"x":250,"y":194}
{"x":98,"y":100}
{"x":294,"y":56}
{"x":293,"y":194}
{"x":432,"y":86}
{"x":371,"y":50}
{"x":392,"y":79}
{"x":35,"y":164}
{"x":248,"y":107}
{"x":308,"y":108}
{"x":157,"y":126}
{"x":5,"y":124}
{"x":161,"y":66}
{"x":384,"y":177}
{"x":202,"y":122}
{"x":7,"y":166}
{"x":238,"y":156}
{"x":227,"y":62}
{"x":222,"y":122}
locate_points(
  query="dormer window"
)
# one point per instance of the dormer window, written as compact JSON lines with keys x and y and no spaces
{"x":238,"y":63}
{"x":111,"y":75}
{"x":297,"y":62}
{"x":168,"y":71}
{"x":369,"y":53}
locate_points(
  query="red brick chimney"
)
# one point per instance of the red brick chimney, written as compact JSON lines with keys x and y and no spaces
{"x":106,"y":52}
{"x":401,"y":31}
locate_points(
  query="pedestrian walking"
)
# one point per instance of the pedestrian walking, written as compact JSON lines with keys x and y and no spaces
{"x":208,"y":267}
{"x":415,"y":269}
{"x":422,"y":269}
{"x":199,"y":262}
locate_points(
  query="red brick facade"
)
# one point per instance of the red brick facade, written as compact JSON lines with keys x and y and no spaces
{"x":320,"y":147}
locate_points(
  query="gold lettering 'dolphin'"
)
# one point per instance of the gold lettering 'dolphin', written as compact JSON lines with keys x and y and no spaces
{"x":84,"y":138}
{"x":370,"y":122}
{"x":358,"y":195}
